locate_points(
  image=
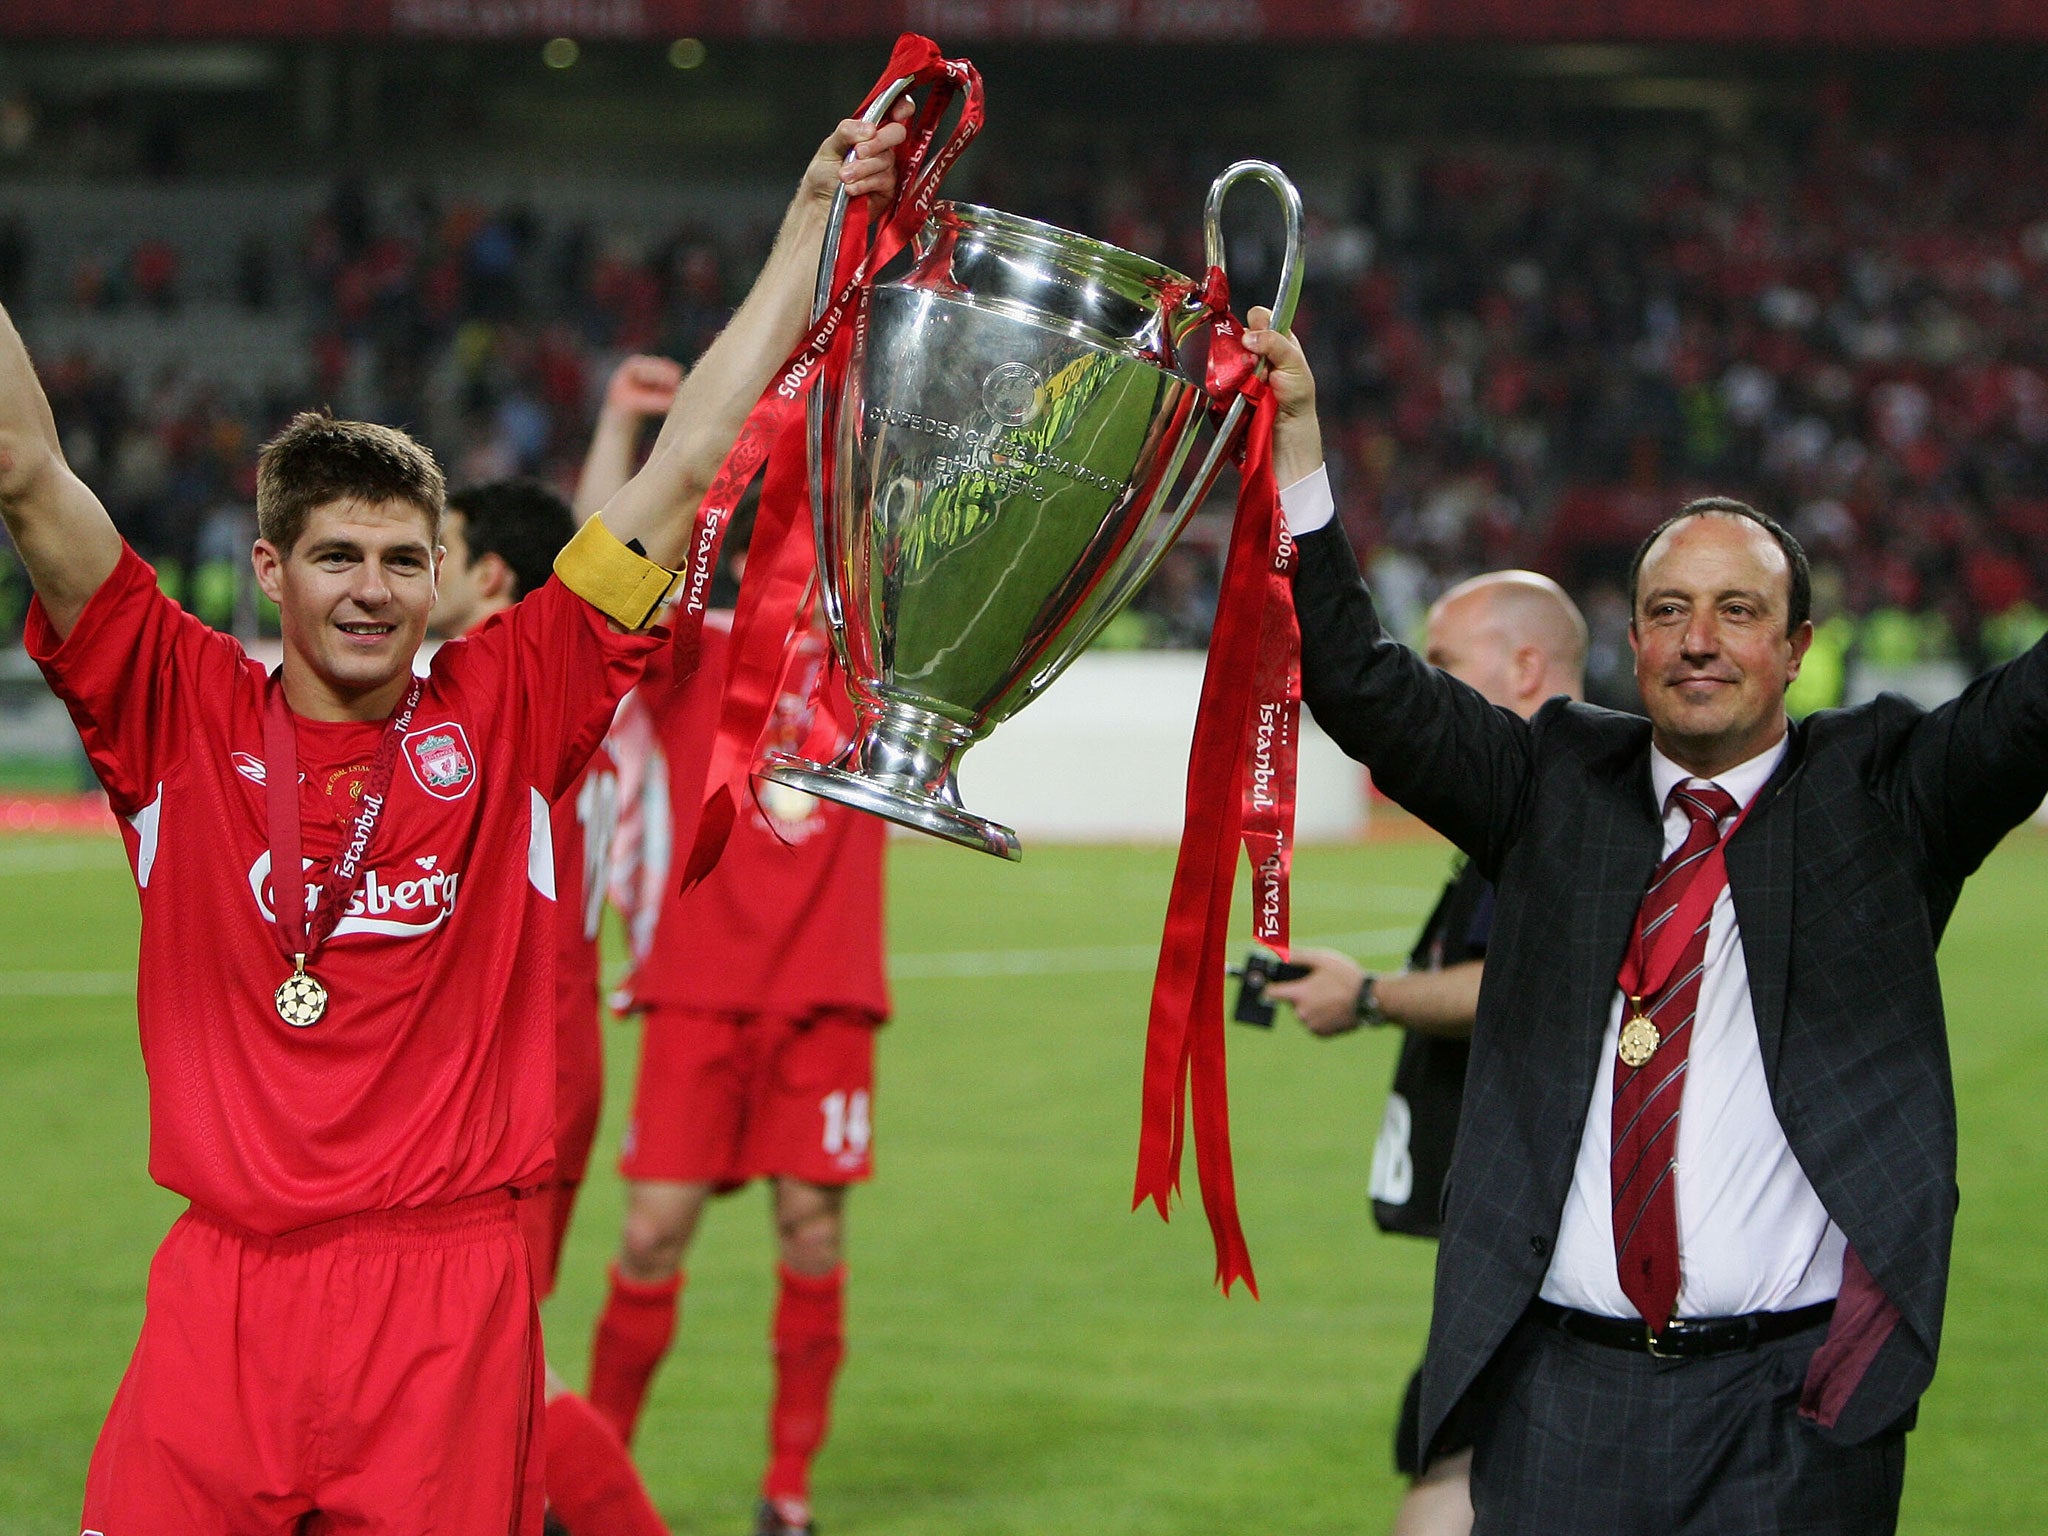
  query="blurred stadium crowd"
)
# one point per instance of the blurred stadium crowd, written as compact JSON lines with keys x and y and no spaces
{"x":1529,"y":352}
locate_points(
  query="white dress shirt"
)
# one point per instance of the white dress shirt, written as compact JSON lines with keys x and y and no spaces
{"x":1752,"y":1234}
{"x":1308,"y":503}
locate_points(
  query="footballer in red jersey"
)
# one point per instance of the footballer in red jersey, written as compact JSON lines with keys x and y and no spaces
{"x":760,"y":993}
{"x":345,"y":987}
{"x":501,"y":541}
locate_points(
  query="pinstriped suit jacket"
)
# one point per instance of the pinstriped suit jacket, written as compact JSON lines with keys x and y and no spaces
{"x":1843,"y":878}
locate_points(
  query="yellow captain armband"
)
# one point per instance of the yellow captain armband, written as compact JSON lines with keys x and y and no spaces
{"x":620,"y":583}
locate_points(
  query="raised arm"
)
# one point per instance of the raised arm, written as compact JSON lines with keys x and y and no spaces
{"x":641,"y":389}
{"x":657,"y":504}
{"x":1977,"y":767}
{"x":1433,"y":743}
{"x":64,"y":535}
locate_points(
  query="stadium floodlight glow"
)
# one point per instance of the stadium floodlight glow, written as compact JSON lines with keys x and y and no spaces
{"x":559,"y":52}
{"x":686,"y":53}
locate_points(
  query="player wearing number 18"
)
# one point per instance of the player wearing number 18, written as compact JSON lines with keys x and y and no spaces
{"x":345,"y":988}
{"x":760,"y":995}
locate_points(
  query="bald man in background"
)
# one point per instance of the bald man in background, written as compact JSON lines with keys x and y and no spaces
{"x":1517,"y":638}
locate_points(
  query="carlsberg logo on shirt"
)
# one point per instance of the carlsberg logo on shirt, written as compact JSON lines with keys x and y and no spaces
{"x":405,"y":904}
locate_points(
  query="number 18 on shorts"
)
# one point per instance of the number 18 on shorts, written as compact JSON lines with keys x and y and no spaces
{"x":725,"y":1098}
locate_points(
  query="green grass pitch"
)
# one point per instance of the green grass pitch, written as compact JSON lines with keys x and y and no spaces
{"x":1026,"y":1355}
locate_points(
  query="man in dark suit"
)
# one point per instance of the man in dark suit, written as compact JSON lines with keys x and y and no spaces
{"x":1696,"y":1236}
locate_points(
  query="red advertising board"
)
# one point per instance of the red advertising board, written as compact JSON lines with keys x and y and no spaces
{"x":960,"y":22}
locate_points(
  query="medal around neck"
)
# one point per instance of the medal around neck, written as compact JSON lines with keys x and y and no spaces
{"x":301,"y":998}
{"x":1646,"y":974}
{"x":1639,"y":1040}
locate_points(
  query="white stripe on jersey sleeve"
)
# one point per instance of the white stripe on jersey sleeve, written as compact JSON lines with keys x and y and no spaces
{"x":145,"y":822}
{"x":657,"y":853}
{"x":540,"y":845}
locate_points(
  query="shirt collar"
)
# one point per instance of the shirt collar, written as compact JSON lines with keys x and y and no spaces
{"x":1742,"y":781}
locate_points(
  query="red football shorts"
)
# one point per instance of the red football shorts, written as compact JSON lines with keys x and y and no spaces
{"x":728,"y":1097}
{"x":380,"y":1373}
{"x":579,"y":1096}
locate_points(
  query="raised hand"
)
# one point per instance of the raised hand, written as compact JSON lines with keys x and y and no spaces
{"x":643,"y":386}
{"x":871,"y":168}
{"x":1297,"y":435}
{"x":60,"y":530}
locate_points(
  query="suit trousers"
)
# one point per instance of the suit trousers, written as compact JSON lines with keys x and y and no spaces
{"x":1582,"y":1439}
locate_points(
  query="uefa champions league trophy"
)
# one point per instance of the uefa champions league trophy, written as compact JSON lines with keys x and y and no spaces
{"x":1013,"y":441}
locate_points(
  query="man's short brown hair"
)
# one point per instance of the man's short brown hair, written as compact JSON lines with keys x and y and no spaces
{"x":317,"y":459}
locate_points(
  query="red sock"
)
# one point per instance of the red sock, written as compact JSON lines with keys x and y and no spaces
{"x":591,"y":1482}
{"x":810,"y":1340}
{"x":633,"y":1333}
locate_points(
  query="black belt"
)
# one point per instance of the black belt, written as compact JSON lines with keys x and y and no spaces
{"x":1685,"y":1338}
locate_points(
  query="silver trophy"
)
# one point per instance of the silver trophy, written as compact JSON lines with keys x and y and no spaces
{"x":1013,"y":445}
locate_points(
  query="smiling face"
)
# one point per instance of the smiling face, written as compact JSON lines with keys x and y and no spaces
{"x":1713,"y":652}
{"x":353,"y":594}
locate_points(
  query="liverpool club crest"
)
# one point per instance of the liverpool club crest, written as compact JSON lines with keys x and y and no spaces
{"x":441,"y":760}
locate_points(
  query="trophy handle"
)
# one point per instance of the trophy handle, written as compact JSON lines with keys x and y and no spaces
{"x":815,"y":407}
{"x":1167,"y":528}
{"x":1284,"y":303}
{"x":1289,"y":294}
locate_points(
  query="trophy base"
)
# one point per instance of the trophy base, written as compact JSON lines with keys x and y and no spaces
{"x":905,"y":807}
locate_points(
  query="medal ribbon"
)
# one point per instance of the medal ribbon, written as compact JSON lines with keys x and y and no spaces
{"x":1240,"y":790}
{"x":780,"y":559}
{"x":301,"y":935}
{"x":1647,"y":969}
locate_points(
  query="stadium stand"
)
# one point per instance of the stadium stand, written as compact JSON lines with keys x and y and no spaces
{"x":1532,"y":345}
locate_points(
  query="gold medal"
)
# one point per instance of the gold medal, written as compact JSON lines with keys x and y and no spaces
{"x":1639,"y":1041}
{"x":301,"y":999}
{"x":305,"y":917}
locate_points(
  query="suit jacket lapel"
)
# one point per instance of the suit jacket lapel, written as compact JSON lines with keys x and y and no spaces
{"x":1761,"y":859}
{"x":1621,"y":844}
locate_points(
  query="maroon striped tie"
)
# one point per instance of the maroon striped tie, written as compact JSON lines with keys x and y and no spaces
{"x":1646,"y":1098}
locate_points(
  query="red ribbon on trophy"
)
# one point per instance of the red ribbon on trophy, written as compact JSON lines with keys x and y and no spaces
{"x":780,"y":559}
{"x":1241,"y":772}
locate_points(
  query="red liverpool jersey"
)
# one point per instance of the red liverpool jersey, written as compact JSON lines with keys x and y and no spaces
{"x":431,"y":1077}
{"x":584,"y":820}
{"x":790,"y":921}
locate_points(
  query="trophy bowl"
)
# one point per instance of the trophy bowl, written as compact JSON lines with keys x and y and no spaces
{"x":1013,"y":452}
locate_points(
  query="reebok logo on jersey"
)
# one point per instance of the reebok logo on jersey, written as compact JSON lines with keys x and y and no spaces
{"x":250,"y":767}
{"x":404,"y":909}
{"x":441,"y":760}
